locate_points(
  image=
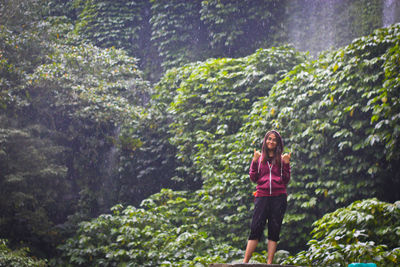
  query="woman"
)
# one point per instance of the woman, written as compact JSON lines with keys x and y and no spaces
{"x":271,"y":171}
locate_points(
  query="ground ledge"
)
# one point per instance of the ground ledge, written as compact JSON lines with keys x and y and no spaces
{"x":248,"y":265}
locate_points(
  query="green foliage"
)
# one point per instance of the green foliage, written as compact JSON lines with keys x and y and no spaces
{"x":62,"y":8}
{"x":79,"y":132}
{"x":326,"y":112}
{"x":370,"y":16}
{"x":365,"y":231}
{"x":237,"y":28}
{"x":168,"y":34}
{"x":177,"y":31}
{"x":111,"y":23}
{"x":209,"y":100}
{"x":33,"y":170}
{"x":17,"y":258}
{"x":86,"y":93}
{"x":32,"y":184}
{"x":20,"y":14}
{"x":144,"y":237}
{"x":165,"y":34}
{"x":62,"y":109}
{"x":331,"y":129}
{"x":147,"y":159}
{"x":189,"y":31}
{"x":119,"y":24}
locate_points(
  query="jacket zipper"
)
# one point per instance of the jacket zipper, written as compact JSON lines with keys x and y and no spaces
{"x":270,"y":179}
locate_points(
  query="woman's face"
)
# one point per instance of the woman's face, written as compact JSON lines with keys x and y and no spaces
{"x":271,"y":142}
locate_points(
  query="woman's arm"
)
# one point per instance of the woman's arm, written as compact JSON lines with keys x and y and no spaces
{"x":254,"y":175}
{"x":286,"y":167}
{"x":286,"y":173}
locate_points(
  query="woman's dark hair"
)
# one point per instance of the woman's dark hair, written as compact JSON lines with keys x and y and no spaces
{"x":278,"y":150}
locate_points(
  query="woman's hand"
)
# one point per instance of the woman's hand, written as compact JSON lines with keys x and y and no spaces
{"x":286,"y":157}
{"x":256,"y":155}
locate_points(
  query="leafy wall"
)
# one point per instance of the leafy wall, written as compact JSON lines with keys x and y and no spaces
{"x":165,"y":34}
{"x":81,"y":129}
{"x":338,"y":115}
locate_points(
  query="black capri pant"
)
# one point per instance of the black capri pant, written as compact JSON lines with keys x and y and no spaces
{"x":268,"y":208}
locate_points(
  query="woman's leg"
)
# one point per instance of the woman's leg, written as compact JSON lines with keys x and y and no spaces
{"x":257,"y":226}
{"x":251,"y":247}
{"x":271,"y":250}
{"x":278,"y":209}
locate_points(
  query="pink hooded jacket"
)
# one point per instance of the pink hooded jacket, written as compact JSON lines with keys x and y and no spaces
{"x":271,"y":179}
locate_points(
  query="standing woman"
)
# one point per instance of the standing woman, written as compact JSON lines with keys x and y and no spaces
{"x":271,"y":171}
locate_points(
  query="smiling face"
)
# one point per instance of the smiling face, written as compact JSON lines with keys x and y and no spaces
{"x":272,"y":147}
{"x":271,"y":142}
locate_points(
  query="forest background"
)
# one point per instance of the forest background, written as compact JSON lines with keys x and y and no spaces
{"x":127,"y":129}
